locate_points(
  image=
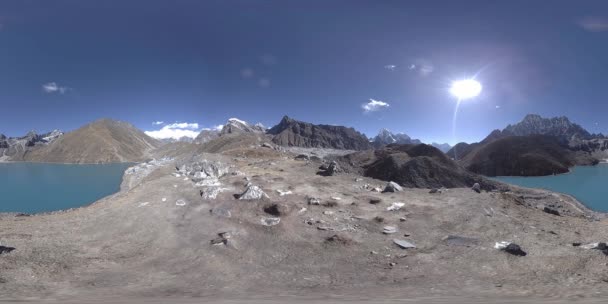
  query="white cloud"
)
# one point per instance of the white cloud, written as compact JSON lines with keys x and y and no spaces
{"x":374,"y":105}
{"x":390,"y":67}
{"x":53,"y":87}
{"x":176,"y":131}
{"x":183,"y":125}
{"x":156,"y":123}
{"x":594,"y":24}
{"x":215,"y":128}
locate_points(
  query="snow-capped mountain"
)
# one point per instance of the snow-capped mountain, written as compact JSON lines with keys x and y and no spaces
{"x":386,"y":137}
{"x":234,"y":125}
{"x":556,"y":126}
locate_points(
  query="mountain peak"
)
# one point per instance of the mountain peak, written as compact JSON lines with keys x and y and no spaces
{"x":556,"y":126}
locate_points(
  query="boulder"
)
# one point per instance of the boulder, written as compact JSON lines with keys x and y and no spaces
{"x":392,"y":187}
{"x":302,"y":157}
{"x":404,"y":244}
{"x":389,"y":229}
{"x":551,"y":211}
{"x":333,"y":168}
{"x":476,"y":187}
{"x":253,"y":193}
{"x":510,"y":248}
{"x":314,"y":201}
{"x":6,"y":249}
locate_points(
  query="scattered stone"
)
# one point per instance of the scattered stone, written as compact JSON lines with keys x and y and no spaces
{"x":389,"y":229}
{"x":330,"y":204}
{"x":551,"y":211}
{"x":598,"y":246}
{"x":434,"y":190}
{"x":221,"y":212}
{"x":253,"y":193}
{"x":358,"y":179}
{"x":476,"y":187}
{"x":377,"y":189}
{"x":373,"y":252}
{"x":455,"y":240}
{"x":143,"y":204}
{"x":302,"y":157}
{"x":336,"y":198}
{"x":339,"y":239}
{"x":392,"y":264}
{"x":328,"y":212}
{"x":324,"y":228}
{"x":402,"y":219}
{"x":283,"y":193}
{"x":211,"y":192}
{"x":379,"y":219}
{"x":392,"y":187}
{"x":576,"y":244}
{"x":164,"y":199}
{"x":222,"y":238}
{"x":375,"y":201}
{"x":395,"y":206}
{"x":310,"y":221}
{"x":180,"y":202}
{"x":314,"y":201}
{"x":270,"y":221}
{"x":267,"y":145}
{"x":6,"y":249}
{"x":510,"y":248}
{"x":403,"y":244}
{"x":302,"y":210}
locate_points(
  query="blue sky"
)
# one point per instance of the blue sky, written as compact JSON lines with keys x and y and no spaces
{"x":319,"y":61}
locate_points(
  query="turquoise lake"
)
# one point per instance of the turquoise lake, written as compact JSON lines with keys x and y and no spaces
{"x":35,"y":187}
{"x":588,"y":184}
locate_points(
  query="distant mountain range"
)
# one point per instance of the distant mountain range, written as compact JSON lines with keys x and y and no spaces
{"x":534,"y":146}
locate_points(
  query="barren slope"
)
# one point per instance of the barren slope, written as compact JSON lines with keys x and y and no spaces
{"x":103,"y":141}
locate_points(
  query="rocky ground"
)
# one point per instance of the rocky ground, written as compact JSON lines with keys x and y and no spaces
{"x":178,"y":229}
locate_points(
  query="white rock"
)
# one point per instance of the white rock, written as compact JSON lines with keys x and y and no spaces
{"x":164,"y":199}
{"x":282,"y":193}
{"x":270,"y":221}
{"x":501,"y":245}
{"x":180,"y":203}
{"x":143,"y":204}
{"x":253,"y":193}
{"x":395,"y":206}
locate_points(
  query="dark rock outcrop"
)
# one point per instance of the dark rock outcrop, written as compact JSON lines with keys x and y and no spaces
{"x":290,"y":132}
{"x":414,"y":166}
{"x":533,"y":155}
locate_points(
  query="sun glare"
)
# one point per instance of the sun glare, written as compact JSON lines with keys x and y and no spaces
{"x":465,"y":89}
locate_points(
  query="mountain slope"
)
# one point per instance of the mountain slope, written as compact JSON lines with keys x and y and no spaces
{"x":415,"y":166}
{"x":15,"y":148}
{"x":103,"y":141}
{"x":532,"y":155}
{"x":235,"y":125}
{"x":290,"y":132}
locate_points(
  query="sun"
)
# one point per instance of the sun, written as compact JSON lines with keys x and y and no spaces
{"x":465,"y":89}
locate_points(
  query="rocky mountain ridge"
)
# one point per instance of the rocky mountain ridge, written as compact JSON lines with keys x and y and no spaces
{"x":14,"y":148}
{"x":294,"y":133}
{"x":386,"y":137}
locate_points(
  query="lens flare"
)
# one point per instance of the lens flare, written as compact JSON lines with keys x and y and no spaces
{"x":465,"y":89}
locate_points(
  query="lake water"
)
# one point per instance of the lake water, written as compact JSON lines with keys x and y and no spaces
{"x":35,"y":187}
{"x":589,"y":184}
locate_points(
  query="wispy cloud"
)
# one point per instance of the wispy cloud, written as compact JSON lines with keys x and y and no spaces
{"x":156,"y":123}
{"x":374,"y":105}
{"x":53,"y":87}
{"x":422,"y":66}
{"x":176,"y":131}
{"x":594,"y":24}
{"x":390,"y":67}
